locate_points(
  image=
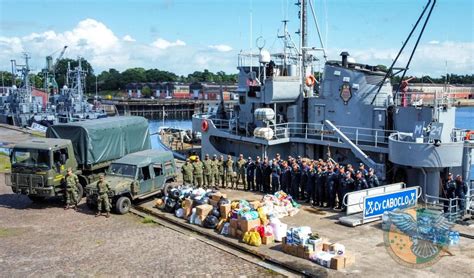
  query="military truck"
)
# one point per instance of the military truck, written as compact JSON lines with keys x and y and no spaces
{"x":39,"y":165}
{"x":136,"y":176}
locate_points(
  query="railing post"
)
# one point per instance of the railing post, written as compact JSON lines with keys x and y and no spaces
{"x":322,"y":132}
{"x":306,"y":132}
{"x":357,"y":136}
{"x":376,"y":137}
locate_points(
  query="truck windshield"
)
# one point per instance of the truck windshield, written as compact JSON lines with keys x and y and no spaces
{"x":118,"y":169}
{"x":31,"y":158}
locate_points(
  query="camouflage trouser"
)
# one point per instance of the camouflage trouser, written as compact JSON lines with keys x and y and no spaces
{"x":71,"y":196}
{"x":215,"y":178}
{"x":207,"y":180}
{"x":222,"y":180}
{"x":187,"y":180}
{"x":198,"y":180}
{"x":229,"y":179}
{"x":241,"y":176}
{"x":103,"y":200}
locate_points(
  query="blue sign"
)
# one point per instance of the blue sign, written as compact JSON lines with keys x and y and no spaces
{"x":376,"y":205}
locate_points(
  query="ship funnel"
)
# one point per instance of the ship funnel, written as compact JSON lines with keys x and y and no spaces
{"x":344,"y":59}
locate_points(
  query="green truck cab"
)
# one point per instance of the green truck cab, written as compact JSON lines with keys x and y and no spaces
{"x":39,"y":166}
{"x":135,"y":176}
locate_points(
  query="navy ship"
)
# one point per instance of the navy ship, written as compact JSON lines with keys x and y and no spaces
{"x":352,"y":114}
{"x":18,"y":105}
{"x":71,"y":103}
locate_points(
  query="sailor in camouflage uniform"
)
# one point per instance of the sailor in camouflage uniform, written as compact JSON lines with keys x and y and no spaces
{"x":197,"y":172}
{"x":71,"y":189}
{"x":221,"y":171}
{"x":229,"y":170}
{"x":215,"y":171}
{"x":241,"y":162}
{"x":102,"y":197}
{"x":187,"y":171}
{"x":207,"y":163}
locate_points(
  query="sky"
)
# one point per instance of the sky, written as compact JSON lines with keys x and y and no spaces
{"x":184,"y":36}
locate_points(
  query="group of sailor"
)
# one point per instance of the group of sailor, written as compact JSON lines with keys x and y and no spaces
{"x":319,"y":182}
{"x":455,"y":190}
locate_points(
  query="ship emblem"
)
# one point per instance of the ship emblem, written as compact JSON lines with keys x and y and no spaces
{"x":418,"y":237}
{"x":346,"y":93}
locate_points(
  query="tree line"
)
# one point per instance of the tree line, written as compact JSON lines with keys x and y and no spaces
{"x":114,"y":80}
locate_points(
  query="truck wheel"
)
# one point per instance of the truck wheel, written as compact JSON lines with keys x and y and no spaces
{"x":80,"y":192}
{"x":123,"y":205}
{"x":36,"y":199}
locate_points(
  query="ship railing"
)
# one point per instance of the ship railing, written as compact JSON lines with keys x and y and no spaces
{"x":458,"y":135}
{"x":451,"y":207}
{"x":420,"y":98}
{"x":359,"y":135}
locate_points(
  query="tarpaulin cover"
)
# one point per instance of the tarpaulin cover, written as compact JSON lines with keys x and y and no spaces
{"x":102,"y":140}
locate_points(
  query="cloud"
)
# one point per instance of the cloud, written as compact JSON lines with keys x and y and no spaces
{"x":429,"y":59}
{"x":433,"y":42}
{"x":105,"y":49}
{"x":164,"y":44}
{"x":221,"y":47}
{"x":128,"y":38}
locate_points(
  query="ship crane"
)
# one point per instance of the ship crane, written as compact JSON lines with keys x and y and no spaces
{"x":49,"y":72}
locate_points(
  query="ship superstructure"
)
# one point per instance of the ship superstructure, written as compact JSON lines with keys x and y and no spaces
{"x":351,"y":115}
{"x":71,"y":103}
{"x":19,"y":106}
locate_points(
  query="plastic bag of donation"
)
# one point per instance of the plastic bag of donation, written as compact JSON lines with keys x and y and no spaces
{"x":279,"y":229}
{"x":225,"y":229}
{"x":252,"y":238}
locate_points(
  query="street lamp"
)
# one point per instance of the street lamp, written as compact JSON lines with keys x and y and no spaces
{"x":96,"y":87}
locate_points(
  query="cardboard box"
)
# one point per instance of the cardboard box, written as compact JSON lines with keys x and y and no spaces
{"x":324,"y":259}
{"x":327,"y":246}
{"x":203,"y":210}
{"x":217,"y":196}
{"x":187,"y":206}
{"x":300,"y":251}
{"x":239,"y":234}
{"x":225,"y":211}
{"x":293,"y":250}
{"x":233,"y":232}
{"x":308,"y":255}
{"x":220,"y":225}
{"x":349,"y":259}
{"x":284,"y":248}
{"x":255,"y":204}
{"x":248,"y":225}
{"x":213,"y":202}
{"x":201,"y":218}
{"x":337,"y":262}
{"x":234,"y":223}
{"x":268,"y":239}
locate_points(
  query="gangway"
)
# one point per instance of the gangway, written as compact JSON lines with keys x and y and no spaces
{"x":355,"y":206}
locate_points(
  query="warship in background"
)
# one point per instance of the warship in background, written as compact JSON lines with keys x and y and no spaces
{"x":352,"y":115}
{"x":20,"y":107}
{"x":70,"y":104}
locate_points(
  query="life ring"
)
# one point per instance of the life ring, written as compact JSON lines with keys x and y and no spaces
{"x":204,"y":125}
{"x":310,"y":81}
{"x":469,"y":135}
